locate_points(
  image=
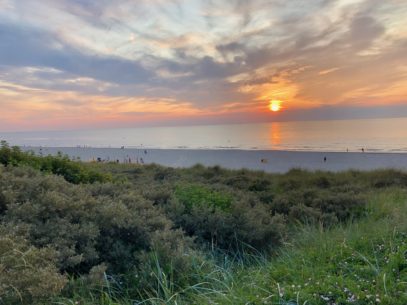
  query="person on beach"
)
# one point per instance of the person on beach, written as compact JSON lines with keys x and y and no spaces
{"x":324,"y":159}
{"x":363,"y":150}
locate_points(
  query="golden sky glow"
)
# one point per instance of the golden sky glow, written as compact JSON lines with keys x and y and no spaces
{"x":78,"y":64}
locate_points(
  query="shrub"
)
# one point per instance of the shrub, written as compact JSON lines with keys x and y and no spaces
{"x":73,"y":172}
{"x":28,"y":275}
{"x":260,"y":185}
{"x":239,"y":181}
{"x":386,"y":178}
{"x":246,"y":220}
{"x":163,"y":173}
{"x":255,"y":226}
{"x":160,"y":195}
{"x":312,"y":205}
{"x":127,"y":226}
{"x":85,"y":227}
{"x":197,"y":195}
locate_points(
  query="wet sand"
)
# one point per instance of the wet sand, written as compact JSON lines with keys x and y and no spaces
{"x":269,"y":161}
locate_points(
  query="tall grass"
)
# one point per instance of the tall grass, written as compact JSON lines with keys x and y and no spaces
{"x":361,"y":263}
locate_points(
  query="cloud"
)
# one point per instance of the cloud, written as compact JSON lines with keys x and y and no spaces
{"x":327,"y":71}
{"x":24,"y":106}
{"x":21,"y":46}
{"x":212,"y":55}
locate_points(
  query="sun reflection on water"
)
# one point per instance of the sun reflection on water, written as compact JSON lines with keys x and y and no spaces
{"x":275,"y":135}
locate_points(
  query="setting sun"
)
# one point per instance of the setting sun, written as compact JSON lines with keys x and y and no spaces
{"x":275,"y":105}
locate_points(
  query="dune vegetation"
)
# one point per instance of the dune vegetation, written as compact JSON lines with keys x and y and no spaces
{"x":107,"y":233}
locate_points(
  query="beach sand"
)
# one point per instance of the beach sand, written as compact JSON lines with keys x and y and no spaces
{"x":268,"y":161}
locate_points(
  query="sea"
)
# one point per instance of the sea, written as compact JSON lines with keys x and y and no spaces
{"x":371,"y":135}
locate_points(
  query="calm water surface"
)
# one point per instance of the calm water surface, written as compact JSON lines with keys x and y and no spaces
{"x":375,"y":135}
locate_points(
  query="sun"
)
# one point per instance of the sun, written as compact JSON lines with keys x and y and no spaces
{"x":275,"y":105}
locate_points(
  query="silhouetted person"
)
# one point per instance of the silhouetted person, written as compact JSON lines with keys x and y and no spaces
{"x":363,"y":150}
{"x":324,"y":159}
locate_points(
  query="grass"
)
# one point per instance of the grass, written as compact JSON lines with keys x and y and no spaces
{"x":363,"y":262}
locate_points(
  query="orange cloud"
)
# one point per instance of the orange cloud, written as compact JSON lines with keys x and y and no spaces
{"x":24,"y":106}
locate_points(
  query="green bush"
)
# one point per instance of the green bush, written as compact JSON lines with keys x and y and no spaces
{"x":28,"y":275}
{"x":86,"y":224}
{"x":197,"y":195}
{"x":319,"y":206}
{"x":387,"y":178}
{"x":221,"y":221}
{"x":73,"y":172}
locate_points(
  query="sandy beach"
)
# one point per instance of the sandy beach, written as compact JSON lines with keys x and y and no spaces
{"x":268,"y":161}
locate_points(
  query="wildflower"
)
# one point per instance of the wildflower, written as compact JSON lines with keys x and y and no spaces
{"x":352,"y":298}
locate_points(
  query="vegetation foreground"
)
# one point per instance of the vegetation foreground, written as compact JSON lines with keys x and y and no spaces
{"x":76,"y":233}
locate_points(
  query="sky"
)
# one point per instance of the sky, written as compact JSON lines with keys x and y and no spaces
{"x":69,"y":64}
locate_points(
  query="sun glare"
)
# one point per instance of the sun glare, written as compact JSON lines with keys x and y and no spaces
{"x":275,"y":105}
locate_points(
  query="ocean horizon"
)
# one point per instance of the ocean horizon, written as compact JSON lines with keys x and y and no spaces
{"x":371,"y":135}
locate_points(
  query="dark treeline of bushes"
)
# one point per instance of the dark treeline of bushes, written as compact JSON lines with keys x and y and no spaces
{"x":61,"y":165}
{"x":128,"y":218}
